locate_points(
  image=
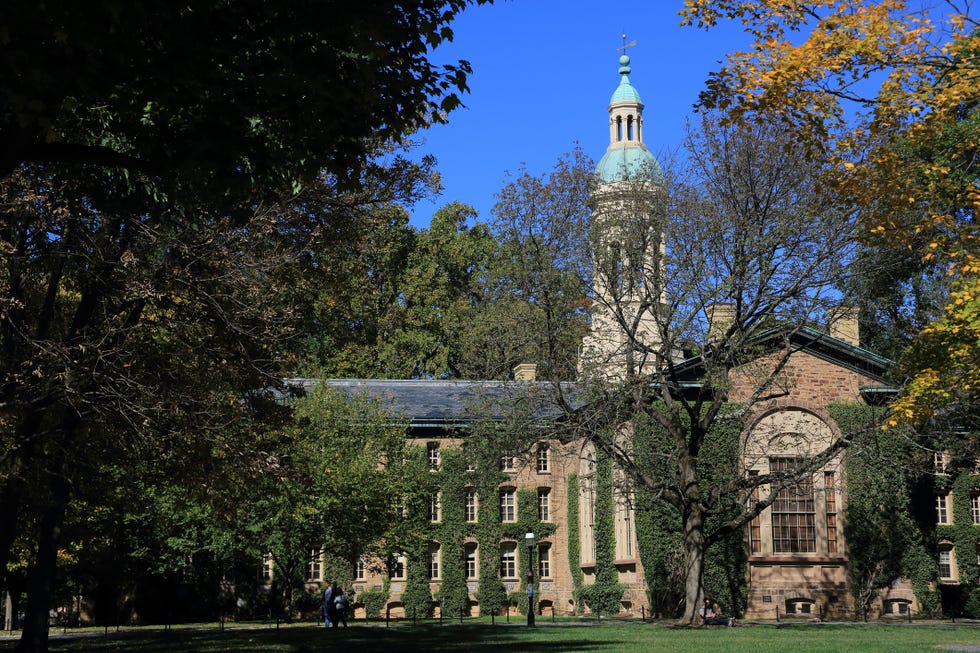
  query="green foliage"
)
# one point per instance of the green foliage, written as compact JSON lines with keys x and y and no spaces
{"x":258,"y":121}
{"x":416,"y":596}
{"x":392,"y":301}
{"x":574,"y":543}
{"x":309,"y":604}
{"x":658,"y":535}
{"x":659,"y":525}
{"x":604,"y":594}
{"x":535,"y":304}
{"x":453,"y":595}
{"x":883,"y":537}
{"x":374,"y":601}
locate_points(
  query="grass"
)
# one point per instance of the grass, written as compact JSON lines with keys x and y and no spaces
{"x":546,"y":638}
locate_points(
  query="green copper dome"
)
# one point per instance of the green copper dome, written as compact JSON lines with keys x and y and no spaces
{"x":630,"y":163}
{"x":625,"y":91}
{"x":627,"y":158}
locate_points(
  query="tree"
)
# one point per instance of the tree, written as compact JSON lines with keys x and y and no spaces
{"x":400,"y":301}
{"x":218,"y":101}
{"x":907,"y":162}
{"x":703,"y":288}
{"x":110,"y":342}
{"x":535,"y":306}
{"x":442,"y":297}
{"x":146,"y":283}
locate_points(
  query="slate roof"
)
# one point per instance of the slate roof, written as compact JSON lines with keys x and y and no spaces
{"x":814,"y":342}
{"x":441,"y":404}
{"x":448,"y":404}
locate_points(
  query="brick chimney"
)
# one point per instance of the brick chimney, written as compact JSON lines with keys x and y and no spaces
{"x":843,"y":324}
{"x":525,"y":372}
{"x":720,"y":317}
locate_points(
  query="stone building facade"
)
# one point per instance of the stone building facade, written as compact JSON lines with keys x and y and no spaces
{"x":797,"y":556}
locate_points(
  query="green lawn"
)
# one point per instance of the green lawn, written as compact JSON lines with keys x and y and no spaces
{"x":546,"y":638}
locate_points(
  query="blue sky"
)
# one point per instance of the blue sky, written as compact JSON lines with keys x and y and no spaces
{"x":543,"y":73}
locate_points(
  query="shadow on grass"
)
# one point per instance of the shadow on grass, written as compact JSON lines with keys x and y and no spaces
{"x":420,"y":639}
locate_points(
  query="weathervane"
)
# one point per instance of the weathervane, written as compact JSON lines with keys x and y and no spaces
{"x":625,"y":44}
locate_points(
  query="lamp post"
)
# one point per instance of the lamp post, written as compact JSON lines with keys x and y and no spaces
{"x":529,"y":539}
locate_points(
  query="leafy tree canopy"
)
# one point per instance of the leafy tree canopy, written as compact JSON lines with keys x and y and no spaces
{"x":238,"y":101}
{"x":906,"y":158}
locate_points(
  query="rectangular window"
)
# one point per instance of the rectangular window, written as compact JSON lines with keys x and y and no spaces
{"x":544,"y":504}
{"x":830,"y":490}
{"x":942,"y":513}
{"x":946,"y":564}
{"x":793,"y":514}
{"x":396,"y":567}
{"x":975,"y":508}
{"x":755,"y":526}
{"x":435,"y":508}
{"x":939,"y":461}
{"x":432,"y":453}
{"x":544,"y":459}
{"x":361,"y":568}
{"x":469,"y":554}
{"x":470,"y":506}
{"x":506,"y":463}
{"x":434,"y":554}
{"x":508,"y":560}
{"x":265,"y":569}
{"x":508,"y":511}
{"x":313,"y":565}
{"x":544,"y":561}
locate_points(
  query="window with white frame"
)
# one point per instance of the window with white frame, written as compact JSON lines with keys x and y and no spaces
{"x":508,"y":560}
{"x":361,"y":569}
{"x":435,"y":507}
{"x":946,"y":563}
{"x":396,"y":566}
{"x":469,"y":557}
{"x":470,"y":506}
{"x":432,"y":453}
{"x":314,"y":565}
{"x":942,"y":509}
{"x":506,"y":463}
{"x":940,"y":459}
{"x":435,"y":553}
{"x":265,"y":568}
{"x":544,"y":504}
{"x":544,"y":561}
{"x":975,"y":507}
{"x":543,"y":459}
{"x":508,"y":507}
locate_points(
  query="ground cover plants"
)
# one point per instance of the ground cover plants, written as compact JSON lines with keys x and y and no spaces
{"x":622,"y":637}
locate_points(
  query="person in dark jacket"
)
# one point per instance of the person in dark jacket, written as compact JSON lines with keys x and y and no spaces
{"x":328,"y":604}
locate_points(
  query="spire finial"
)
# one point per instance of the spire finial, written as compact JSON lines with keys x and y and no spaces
{"x":624,"y":60}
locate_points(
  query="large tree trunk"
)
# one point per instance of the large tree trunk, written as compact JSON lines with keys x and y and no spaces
{"x":692,"y":512}
{"x":9,"y":510}
{"x":41,"y":576}
{"x":694,"y":546}
{"x":34,"y":639}
{"x":12,"y":491}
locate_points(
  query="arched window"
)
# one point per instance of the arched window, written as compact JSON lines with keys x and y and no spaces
{"x":629,"y":128}
{"x":619,"y":128}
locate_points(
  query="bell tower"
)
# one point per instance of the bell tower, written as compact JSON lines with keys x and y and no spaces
{"x":627,"y":245}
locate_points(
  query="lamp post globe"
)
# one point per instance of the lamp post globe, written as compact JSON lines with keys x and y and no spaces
{"x":529,"y":540}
